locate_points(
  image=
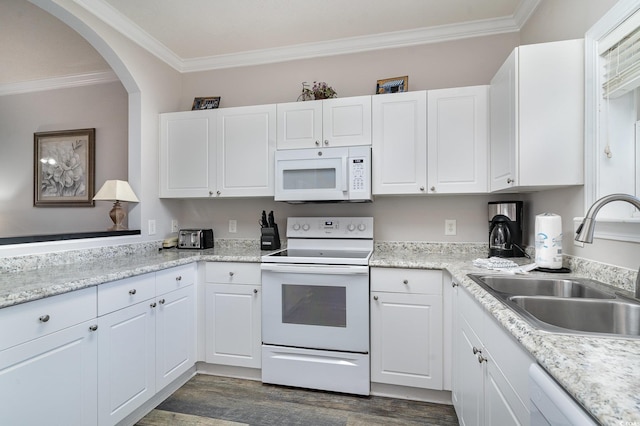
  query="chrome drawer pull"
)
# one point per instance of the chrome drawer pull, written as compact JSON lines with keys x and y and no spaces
{"x":93,"y":328}
{"x":161,"y":301}
{"x":44,"y":318}
{"x":405,"y":282}
{"x":179,"y":278}
{"x":132,"y":291}
{"x":230,"y":274}
{"x":153,"y":305}
{"x":255,"y":291}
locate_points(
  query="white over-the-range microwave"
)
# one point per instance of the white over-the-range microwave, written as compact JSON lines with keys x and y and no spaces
{"x":323,"y":174}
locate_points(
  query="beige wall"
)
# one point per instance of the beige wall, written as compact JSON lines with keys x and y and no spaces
{"x":103,"y":107}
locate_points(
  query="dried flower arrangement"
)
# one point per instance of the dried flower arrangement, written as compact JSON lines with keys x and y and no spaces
{"x":319,"y":90}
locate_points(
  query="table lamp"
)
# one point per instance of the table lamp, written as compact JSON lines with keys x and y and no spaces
{"x":116,"y":190}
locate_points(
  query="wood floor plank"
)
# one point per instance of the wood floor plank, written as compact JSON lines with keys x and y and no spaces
{"x":254,"y":403}
{"x":168,"y":418}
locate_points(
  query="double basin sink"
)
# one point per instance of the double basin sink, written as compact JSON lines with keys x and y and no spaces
{"x":574,"y":306}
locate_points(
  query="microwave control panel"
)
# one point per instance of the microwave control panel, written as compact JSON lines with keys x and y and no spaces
{"x":359,"y":178}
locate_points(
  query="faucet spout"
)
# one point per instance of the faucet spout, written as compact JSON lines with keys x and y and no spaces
{"x":585,"y":230}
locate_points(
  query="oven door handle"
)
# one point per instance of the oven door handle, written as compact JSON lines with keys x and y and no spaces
{"x":316,"y":269}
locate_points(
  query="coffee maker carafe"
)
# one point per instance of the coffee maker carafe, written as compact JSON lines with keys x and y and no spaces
{"x":505,"y":229}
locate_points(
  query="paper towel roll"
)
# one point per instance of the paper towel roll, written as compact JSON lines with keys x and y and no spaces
{"x":548,"y":230}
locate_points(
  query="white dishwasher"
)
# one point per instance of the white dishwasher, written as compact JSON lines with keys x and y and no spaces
{"x":551,"y":405}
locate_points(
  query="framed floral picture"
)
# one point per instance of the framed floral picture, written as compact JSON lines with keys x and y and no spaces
{"x":64,"y":168}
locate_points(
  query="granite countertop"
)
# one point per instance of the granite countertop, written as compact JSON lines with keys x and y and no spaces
{"x":601,"y":373}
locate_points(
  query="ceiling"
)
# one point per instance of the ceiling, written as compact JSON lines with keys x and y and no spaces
{"x":194,"y":35}
{"x":197,"y":35}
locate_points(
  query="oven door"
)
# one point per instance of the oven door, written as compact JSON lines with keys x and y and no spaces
{"x":311,"y":175}
{"x":316,"y":306}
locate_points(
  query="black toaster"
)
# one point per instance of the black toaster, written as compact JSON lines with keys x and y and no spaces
{"x":195,"y":239}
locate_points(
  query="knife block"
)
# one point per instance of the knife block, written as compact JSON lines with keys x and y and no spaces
{"x":270,"y":238}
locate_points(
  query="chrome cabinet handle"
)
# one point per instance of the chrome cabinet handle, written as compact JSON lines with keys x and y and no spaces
{"x":317,"y":143}
{"x":153,"y":305}
{"x":375,"y":297}
{"x":44,"y":318}
{"x":433,"y":188}
{"x":132,"y":291}
{"x":210,"y":192}
{"x":509,"y":180}
{"x":481,"y":359}
{"x":93,"y":327}
{"x":255,"y":291}
{"x":422,"y":188}
{"x":476,"y":351}
{"x":161,"y":301}
{"x":230,"y":274}
{"x":179,"y":278}
{"x":405,"y":282}
{"x":454,"y":284}
{"x":218,"y":192}
{"x":326,"y":142}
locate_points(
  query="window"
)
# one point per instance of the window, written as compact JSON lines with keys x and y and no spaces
{"x":612,"y":118}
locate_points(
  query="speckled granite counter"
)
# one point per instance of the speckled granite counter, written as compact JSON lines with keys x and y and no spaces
{"x":603,"y":374}
{"x":30,"y":278}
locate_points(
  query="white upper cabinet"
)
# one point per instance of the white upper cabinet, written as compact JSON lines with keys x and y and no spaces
{"x":327,"y":123}
{"x":187,"y":154}
{"x":457,"y":140}
{"x":246,"y":145}
{"x":218,"y":153}
{"x":399,"y":143}
{"x":537,"y":118}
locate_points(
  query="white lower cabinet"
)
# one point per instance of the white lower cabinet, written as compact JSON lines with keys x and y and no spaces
{"x":143,"y":344}
{"x":48,"y":361}
{"x":233,"y":307}
{"x":407,"y":327}
{"x":490,"y":369}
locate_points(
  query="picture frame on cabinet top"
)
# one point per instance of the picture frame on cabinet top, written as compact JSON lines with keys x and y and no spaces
{"x":393,"y":85}
{"x":210,"y":102}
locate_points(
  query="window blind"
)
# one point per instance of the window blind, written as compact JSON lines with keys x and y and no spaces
{"x":620,"y":53}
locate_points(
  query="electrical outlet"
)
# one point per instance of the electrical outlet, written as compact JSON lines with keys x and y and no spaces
{"x":233,"y":226}
{"x":152,"y":227}
{"x":174,"y":226}
{"x":450,"y":227}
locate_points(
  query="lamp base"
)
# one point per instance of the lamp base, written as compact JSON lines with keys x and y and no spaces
{"x":117,"y":215}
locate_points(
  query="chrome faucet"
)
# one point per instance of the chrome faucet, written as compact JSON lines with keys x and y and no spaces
{"x":585,"y":230}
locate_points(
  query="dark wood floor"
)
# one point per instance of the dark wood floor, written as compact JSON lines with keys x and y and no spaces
{"x":211,"y":400}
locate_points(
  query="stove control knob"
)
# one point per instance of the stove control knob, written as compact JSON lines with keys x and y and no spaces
{"x":305,"y":227}
{"x":296,"y":226}
{"x":362,"y":227}
{"x":351,"y":227}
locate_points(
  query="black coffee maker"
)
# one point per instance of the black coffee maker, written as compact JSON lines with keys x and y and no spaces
{"x":505,"y":229}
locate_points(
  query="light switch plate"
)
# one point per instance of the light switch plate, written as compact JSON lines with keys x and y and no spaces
{"x":152,"y":227}
{"x":233,"y":226}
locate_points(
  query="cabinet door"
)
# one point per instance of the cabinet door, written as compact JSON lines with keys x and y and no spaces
{"x":406,"y":339}
{"x":245,"y":151}
{"x":346,"y":121}
{"x":299,"y":125}
{"x":399,"y":143}
{"x":468,"y":376}
{"x":233,"y":334}
{"x":175,"y":335}
{"x":126,"y":361}
{"x":458,"y":140}
{"x":51,"y":380}
{"x":504,"y":126}
{"x":187,"y":154}
{"x":499,"y":407}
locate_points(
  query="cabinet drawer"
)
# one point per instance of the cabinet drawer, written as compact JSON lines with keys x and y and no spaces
{"x":397,"y":280}
{"x":175,"y":278}
{"x":232,"y":273}
{"x":122,"y":293}
{"x":30,"y":320}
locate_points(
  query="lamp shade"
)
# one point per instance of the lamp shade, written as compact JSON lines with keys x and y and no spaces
{"x":116,"y":190}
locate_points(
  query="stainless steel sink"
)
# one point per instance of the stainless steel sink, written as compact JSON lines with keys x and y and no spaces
{"x":573,"y":306}
{"x":543,"y":287}
{"x":589,"y":315}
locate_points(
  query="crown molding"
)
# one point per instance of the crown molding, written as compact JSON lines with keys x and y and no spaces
{"x":398,"y":39}
{"x":64,"y":82}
